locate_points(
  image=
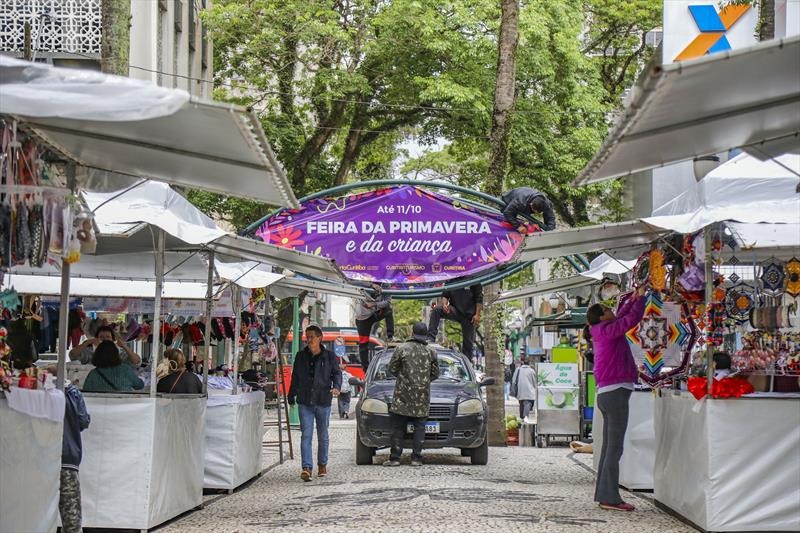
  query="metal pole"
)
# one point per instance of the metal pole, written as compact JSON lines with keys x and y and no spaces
{"x":27,"y":48}
{"x":157,"y":312}
{"x":294,"y":412}
{"x":709,"y":274}
{"x":209,"y":308}
{"x":63,"y":324}
{"x":237,"y":302}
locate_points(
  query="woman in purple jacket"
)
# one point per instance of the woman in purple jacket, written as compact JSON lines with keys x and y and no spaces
{"x":615,"y":374}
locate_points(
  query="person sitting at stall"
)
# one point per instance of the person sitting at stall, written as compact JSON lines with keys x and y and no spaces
{"x":722,"y":365}
{"x":177,"y":379}
{"x":110,"y":374}
{"x":525,"y":202}
{"x":84,"y":350}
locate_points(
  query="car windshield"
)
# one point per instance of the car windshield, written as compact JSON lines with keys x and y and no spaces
{"x":450,"y":368}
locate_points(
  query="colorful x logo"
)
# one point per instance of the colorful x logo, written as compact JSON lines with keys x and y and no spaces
{"x":712,"y":26}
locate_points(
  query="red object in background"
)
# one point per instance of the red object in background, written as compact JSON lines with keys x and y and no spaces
{"x":27,"y":382}
{"x":723,"y":388}
{"x":350,"y":337}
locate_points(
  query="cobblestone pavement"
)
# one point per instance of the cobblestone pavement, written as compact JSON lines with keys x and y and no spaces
{"x":521,"y":489}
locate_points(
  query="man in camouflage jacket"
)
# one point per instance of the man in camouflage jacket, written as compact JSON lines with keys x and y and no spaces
{"x":414,"y":365}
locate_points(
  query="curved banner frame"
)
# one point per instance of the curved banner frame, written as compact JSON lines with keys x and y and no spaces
{"x":399,"y":235}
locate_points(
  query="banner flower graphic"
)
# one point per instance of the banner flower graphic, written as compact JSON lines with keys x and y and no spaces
{"x":399,"y":235}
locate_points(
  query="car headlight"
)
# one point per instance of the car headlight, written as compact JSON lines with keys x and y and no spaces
{"x":470,"y":407}
{"x":375,"y":406}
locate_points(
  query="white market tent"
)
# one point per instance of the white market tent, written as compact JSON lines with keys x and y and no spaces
{"x":744,"y":189}
{"x":123,"y":216}
{"x":623,"y":238}
{"x":129,"y":127}
{"x":748,"y":97}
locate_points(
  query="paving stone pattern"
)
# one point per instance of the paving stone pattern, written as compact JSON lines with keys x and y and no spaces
{"x":521,"y":489}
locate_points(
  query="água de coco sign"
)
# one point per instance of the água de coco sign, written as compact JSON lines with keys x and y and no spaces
{"x":399,"y":235}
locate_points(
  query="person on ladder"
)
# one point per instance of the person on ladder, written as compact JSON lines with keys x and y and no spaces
{"x":370,"y":311}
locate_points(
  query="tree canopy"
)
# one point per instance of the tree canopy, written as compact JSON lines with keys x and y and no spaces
{"x":339,"y":85}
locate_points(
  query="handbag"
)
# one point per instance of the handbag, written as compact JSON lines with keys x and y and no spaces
{"x":514,"y":389}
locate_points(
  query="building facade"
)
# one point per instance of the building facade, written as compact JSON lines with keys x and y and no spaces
{"x":168,"y":43}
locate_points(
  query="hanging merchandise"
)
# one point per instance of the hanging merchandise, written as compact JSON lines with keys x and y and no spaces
{"x":792,"y":272}
{"x":85,"y":232}
{"x":9,"y":299}
{"x":658,"y":272}
{"x":664,"y":338}
{"x":772,"y":277}
{"x":739,"y":302}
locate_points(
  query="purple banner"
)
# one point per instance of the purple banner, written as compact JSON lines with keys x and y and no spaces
{"x":398,"y":235}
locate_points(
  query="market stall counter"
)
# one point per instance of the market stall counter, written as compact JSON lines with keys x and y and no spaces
{"x":30,"y":462}
{"x":142,"y":459}
{"x":638,"y":456}
{"x":234,"y":432}
{"x":729,"y":464}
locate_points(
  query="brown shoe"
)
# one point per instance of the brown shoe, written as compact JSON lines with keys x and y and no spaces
{"x":305,"y":475}
{"x":322,"y":470}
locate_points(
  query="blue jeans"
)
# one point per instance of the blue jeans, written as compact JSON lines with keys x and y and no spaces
{"x":322,"y":416}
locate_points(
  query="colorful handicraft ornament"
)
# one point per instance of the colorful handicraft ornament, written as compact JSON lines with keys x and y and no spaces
{"x":792,"y":272}
{"x":664,"y":337}
{"x":772,"y":277}
{"x":658,"y":272}
{"x":739,"y":301}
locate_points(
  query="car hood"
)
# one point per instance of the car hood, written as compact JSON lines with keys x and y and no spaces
{"x":442,"y":391}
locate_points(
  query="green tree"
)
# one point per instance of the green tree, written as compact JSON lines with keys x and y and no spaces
{"x":615,"y":39}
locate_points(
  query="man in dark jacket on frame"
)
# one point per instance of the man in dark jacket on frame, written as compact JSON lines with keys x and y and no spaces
{"x":316,"y":379}
{"x":76,"y":419}
{"x":527,"y":202}
{"x":463,"y":306}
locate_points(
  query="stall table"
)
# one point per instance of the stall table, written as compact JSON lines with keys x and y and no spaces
{"x":30,"y":461}
{"x":638,"y":456}
{"x":234,"y":433}
{"x":729,"y":464}
{"x":142,"y":459}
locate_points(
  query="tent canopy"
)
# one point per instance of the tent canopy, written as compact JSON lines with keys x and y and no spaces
{"x":744,"y":189}
{"x":620,"y":238}
{"x":740,"y":98}
{"x":130,"y":127}
{"x":545,"y":287}
{"x":122,"y":218}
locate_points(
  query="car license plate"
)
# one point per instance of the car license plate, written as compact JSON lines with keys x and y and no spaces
{"x":430,"y":427}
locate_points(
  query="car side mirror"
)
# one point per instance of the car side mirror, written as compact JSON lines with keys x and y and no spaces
{"x":355,"y":382}
{"x":485,"y":382}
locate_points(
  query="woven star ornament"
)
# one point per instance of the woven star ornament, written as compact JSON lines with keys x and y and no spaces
{"x":739,"y":301}
{"x":772,"y":277}
{"x":792,"y":272}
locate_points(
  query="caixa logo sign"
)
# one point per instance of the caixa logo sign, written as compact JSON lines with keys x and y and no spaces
{"x":713,"y":26}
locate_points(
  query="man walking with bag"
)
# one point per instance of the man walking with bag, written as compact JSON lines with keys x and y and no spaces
{"x":414,"y":365}
{"x":316,"y":379}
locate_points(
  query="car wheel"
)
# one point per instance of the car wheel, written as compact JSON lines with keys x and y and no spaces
{"x":363,"y":453}
{"x":480,"y":455}
{"x":466,"y":452}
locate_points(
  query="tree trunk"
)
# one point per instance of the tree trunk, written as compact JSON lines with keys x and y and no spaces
{"x":766,"y":20}
{"x":314,"y":145}
{"x":501,"y":128}
{"x":352,"y":146}
{"x":116,"y":36}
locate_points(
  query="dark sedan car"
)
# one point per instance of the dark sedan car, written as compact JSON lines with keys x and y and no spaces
{"x":456,"y":416}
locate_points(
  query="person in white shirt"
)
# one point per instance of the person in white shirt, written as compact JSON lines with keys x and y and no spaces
{"x":345,"y":393}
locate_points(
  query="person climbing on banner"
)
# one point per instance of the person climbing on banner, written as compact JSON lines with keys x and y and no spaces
{"x":527,"y":202}
{"x":369,"y":312}
{"x":464,"y":306}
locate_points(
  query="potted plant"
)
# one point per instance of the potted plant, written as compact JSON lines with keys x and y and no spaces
{"x":512,"y":430}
